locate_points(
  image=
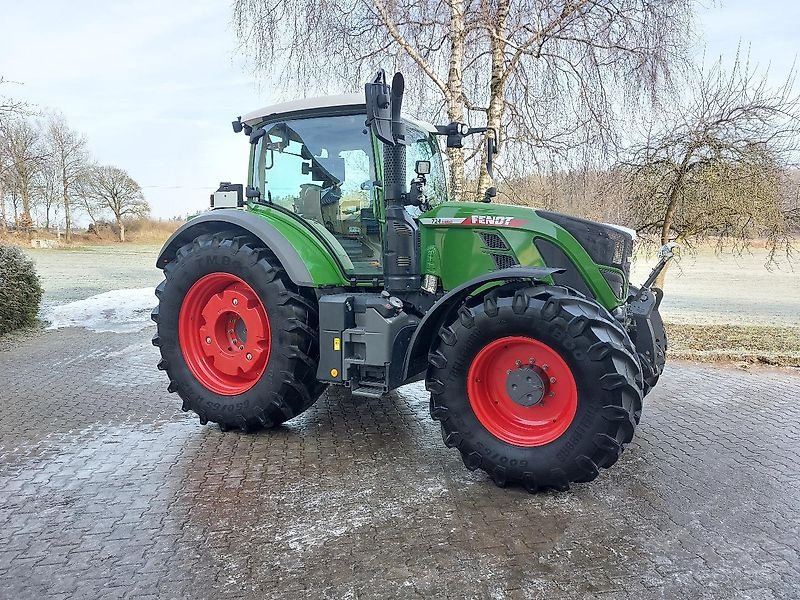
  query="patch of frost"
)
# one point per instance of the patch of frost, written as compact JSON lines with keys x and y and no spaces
{"x":117,"y":311}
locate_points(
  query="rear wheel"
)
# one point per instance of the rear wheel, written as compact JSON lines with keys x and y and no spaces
{"x":537,"y":388}
{"x":238,"y":341}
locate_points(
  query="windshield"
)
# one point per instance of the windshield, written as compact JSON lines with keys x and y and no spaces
{"x":322,"y":169}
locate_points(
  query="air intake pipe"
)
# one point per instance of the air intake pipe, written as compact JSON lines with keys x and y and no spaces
{"x":401,"y":263}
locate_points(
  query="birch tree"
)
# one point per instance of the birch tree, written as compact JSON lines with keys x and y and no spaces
{"x":548,"y":75}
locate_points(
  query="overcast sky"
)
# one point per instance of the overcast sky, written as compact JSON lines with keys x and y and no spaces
{"x":155,"y":84}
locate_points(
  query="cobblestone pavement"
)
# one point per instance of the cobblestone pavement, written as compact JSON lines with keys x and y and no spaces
{"x":107,"y":490}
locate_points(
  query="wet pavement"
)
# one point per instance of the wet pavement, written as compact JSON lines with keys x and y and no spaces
{"x":108,"y":490}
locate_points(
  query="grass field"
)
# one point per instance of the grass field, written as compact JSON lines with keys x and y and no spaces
{"x":731,"y":308}
{"x":74,"y":274}
{"x":717,"y":307}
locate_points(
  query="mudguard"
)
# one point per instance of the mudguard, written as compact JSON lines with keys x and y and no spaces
{"x":231,"y":218}
{"x":416,"y":360}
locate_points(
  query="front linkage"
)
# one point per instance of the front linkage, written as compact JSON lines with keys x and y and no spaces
{"x":645,"y":324}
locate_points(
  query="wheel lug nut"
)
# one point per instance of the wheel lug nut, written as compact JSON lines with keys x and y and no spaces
{"x":208,"y":340}
{"x":545,"y":367}
{"x":519,"y":363}
{"x":552,"y":380}
{"x":551,"y":394}
{"x":235,"y":301}
{"x":249,"y":356}
{"x":508,"y":372}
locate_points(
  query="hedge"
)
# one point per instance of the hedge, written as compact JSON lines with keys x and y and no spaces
{"x":20,"y":290}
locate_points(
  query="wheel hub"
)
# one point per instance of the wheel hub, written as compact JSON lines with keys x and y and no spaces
{"x":527,"y":385}
{"x":224,"y":333}
{"x":522,"y":391}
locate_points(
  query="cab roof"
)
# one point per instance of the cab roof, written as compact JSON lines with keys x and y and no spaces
{"x":319,"y":103}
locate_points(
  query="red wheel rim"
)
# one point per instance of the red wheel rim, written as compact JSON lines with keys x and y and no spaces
{"x":527,"y":420}
{"x":224,"y":333}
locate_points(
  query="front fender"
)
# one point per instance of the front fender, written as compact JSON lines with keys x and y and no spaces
{"x":416,"y":359}
{"x":294,"y":255}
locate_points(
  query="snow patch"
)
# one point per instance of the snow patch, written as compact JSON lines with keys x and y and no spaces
{"x":117,"y":311}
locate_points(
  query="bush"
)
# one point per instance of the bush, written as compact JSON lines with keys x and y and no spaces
{"x":20,"y":290}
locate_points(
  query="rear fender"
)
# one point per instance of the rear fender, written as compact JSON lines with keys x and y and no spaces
{"x":295,"y":261}
{"x":416,"y":360}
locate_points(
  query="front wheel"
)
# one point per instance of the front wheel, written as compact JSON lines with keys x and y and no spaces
{"x":537,"y":387}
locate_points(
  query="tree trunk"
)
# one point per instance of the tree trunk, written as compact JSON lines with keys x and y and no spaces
{"x":121,"y":231}
{"x":455,"y":95}
{"x":67,"y":208}
{"x":672,"y":206}
{"x":3,"y":222}
{"x":494,"y":116}
{"x":666,"y":225}
{"x":25,"y":220}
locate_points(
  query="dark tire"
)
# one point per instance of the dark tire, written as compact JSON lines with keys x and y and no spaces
{"x":216,"y":290}
{"x":596,"y":363}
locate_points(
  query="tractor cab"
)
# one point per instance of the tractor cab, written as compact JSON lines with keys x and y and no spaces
{"x":317,"y":159}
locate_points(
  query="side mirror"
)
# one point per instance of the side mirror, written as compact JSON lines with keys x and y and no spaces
{"x":237,"y":125}
{"x":422,"y":167}
{"x":491,"y":150}
{"x":379,"y":108}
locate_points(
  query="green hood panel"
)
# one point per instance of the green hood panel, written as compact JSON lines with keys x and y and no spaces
{"x":472,"y":238}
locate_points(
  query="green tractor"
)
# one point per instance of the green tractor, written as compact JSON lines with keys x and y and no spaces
{"x":342,"y":262}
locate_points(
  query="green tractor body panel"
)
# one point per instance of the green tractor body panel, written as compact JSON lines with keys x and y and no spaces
{"x":326,"y":260}
{"x":463,"y":240}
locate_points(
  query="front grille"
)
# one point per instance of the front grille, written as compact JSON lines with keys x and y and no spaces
{"x":605,"y":245}
{"x":493,"y":241}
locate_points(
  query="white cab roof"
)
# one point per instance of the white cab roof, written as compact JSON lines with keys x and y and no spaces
{"x":355,"y":100}
{"x":256,"y":116}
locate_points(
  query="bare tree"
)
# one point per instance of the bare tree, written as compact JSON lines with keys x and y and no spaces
{"x":68,"y":160}
{"x":9,"y":107}
{"x":46,"y":188}
{"x":113,"y":189}
{"x":23,"y":150}
{"x":549,"y":75}
{"x":715,"y":163}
